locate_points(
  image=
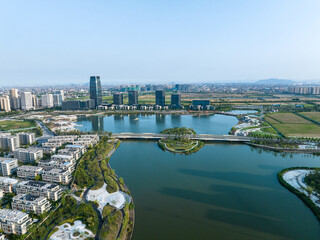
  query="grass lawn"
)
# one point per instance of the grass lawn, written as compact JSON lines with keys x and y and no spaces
{"x":312,"y":115}
{"x":287,"y":118}
{"x":298,"y":130}
{"x":6,"y":125}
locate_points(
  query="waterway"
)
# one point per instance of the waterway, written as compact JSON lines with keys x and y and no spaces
{"x":155,"y":123}
{"x":224,"y":191}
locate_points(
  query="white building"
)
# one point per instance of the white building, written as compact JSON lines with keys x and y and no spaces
{"x":30,"y":203}
{"x":28,"y":155}
{"x":26,"y":138}
{"x":14,"y":222}
{"x":26,"y":101}
{"x":36,"y":188}
{"x":51,"y":164}
{"x":8,"y":185}
{"x":29,"y":172}
{"x":5,"y":103}
{"x":57,"y":176}
{"x":8,"y":166}
{"x":81,"y":148}
{"x":47,"y":100}
{"x":8,"y":141}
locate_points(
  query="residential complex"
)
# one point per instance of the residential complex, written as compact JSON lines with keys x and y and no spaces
{"x":13,"y":221}
{"x":30,"y":203}
{"x":28,"y":155}
{"x":29,"y":172}
{"x":26,"y":138}
{"x":36,"y":188}
{"x":8,"y":166}
{"x":8,"y":141}
{"x":8,"y":185}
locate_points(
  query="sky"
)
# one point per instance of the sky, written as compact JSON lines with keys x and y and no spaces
{"x":147,"y":41}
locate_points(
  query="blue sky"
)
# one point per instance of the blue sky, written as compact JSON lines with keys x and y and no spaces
{"x":59,"y":41}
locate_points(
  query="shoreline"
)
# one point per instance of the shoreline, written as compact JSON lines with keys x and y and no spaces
{"x":292,"y":179}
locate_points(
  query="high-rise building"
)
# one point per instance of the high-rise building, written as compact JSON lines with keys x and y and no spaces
{"x":14,"y":93}
{"x":118,"y":99}
{"x":95,"y":90}
{"x":47,"y":100}
{"x":176,"y":100}
{"x":160,"y":98}
{"x":26,"y":101}
{"x":61,"y":92}
{"x":133,"y":97}
{"x":5,"y":103}
{"x":15,"y":103}
{"x":57,"y":100}
{"x":35,"y":101}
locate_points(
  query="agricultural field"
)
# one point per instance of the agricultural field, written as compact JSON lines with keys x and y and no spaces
{"x":312,"y":115}
{"x":6,"y":125}
{"x":292,"y":125}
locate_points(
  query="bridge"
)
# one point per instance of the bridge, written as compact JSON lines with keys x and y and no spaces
{"x":201,"y":137}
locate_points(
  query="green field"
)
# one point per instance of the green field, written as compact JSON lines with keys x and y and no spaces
{"x":292,"y":125}
{"x":7,"y":125}
{"x":312,"y":115}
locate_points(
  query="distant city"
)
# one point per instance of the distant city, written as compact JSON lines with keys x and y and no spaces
{"x":112,"y":97}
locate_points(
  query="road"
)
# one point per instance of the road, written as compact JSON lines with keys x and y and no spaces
{"x":201,"y":137}
{"x":46,"y":132}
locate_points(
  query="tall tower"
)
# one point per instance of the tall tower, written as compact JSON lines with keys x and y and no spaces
{"x":95,"y":90}
{"x":133,"y":97}
{"x":160,"y":98}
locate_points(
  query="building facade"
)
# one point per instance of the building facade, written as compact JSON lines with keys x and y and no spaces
{"x":133,"y":97}
{"x":96,"y":90}
{"x":160,"y":98}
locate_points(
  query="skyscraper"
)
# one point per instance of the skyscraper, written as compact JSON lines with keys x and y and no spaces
{"x":133,"y":97}
{"x":61,"y":92}
{"x":26,"y":101}
{"x":95,"y":90}
{"x":47,"y":100}
{"x":117,"y":99}
{"x":160,"y":98}
{"x":176,"y":100}
{"x":5,"y":103}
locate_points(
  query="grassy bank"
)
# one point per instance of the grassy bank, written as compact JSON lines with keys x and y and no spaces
{"x":303,"y":197}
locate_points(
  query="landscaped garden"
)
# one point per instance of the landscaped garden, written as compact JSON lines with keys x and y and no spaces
{"x":179,"y":140}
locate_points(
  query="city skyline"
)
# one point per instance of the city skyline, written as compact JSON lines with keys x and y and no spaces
{"x":169,"y":41}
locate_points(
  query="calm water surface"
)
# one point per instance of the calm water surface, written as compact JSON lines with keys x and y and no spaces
{"x":225,"y":191}
{"x":155,"y":123}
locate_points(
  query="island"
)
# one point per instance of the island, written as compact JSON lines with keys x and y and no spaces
{"x":179,"y":140}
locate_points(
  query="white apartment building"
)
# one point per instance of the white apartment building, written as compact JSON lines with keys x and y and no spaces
{"x":26,"y":101}
{"x":74,"y":153}
{"x":57,"y":100}
{"x":57,"y":176}
{"x":29,"y":172}
{"x":5,"y":103}
{"x":14,"y":222}
{"x":26,"y":138}
{"x":51,"y":164}
{"x":47,"y":100}
{"x":51,"y":144}
{"x":8,"y":185}
{"x":8,"y":141}
{"x":81,"y":148}
{"x":8,"y":166}
{"x":30,"y":203}
{"x":28,"y":155}
{"x":36,"y":188}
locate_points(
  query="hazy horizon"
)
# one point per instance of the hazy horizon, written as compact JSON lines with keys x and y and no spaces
{"x":64,"y":42}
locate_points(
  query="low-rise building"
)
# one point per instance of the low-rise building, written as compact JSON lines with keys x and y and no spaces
{"x":76,"y":154}
{"x":50,"y":164}
{"x":8,"y":185}
{"x":8,"y":166}
{"x":37,"y":188}
{"x":51,"y":144}
{"x":63,"y":158}
{"x":28,"y":155}
{"x":57,"y":176}
{"x":81,"y":148}
{"x":29,"y":172}
{"x":26,"y":138}
{"x":14,"y":221}
{"x":30,"y":203}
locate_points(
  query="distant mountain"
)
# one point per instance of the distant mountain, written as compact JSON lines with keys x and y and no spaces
{"x":274,"y":81}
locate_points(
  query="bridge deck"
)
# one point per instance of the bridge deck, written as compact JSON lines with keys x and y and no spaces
{"x":202,"y":137}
